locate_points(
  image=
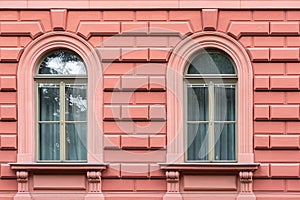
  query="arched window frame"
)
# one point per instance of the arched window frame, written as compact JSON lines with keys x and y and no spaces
{"x":175,"y":97}
{"x":26,"y":96}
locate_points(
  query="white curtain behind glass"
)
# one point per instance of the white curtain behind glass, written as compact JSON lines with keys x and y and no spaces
{"x":49,"y":117}
{"x":197,"y":122}
{"x":224,"y":125}
{"x":76,"y":126}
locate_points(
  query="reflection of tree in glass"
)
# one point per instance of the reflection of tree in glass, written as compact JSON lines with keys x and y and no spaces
{"x":50,"y":92}
{"x":62,"y":62}
{"x":79,"y":102}
{"x":49,"y":99}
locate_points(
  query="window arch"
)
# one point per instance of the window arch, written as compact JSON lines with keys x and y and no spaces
{"x":188,"y":52}
{"x":210,"y":107}
{"x":28,"y":73}
{"x":61,"y":107}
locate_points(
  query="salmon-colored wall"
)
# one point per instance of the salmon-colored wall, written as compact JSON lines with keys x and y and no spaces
{"x":134,"y":47}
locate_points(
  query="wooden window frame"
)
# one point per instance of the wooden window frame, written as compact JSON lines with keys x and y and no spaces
{"x":62,"y":82}
{"x":210,"y":82}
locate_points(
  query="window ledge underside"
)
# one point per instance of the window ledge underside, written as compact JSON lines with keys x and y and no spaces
{"x":59,"y":166}
{"x":199,"y":168}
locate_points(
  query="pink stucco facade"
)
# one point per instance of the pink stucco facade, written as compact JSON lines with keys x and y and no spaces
{"x":136,"y":53}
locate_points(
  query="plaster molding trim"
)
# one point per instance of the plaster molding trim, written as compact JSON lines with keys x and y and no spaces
{"x":154,"y":4}
{"x":210,"y":19}
{"x":58,"y":19}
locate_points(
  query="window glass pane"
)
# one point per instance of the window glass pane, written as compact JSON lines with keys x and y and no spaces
{"x":62,"y":62}
{"x":76,"y":141}
{"x":197,"y":142}
{"x":225,"y":103}
{"x":76,"y":102}
{"x":225,"y":141}
{"x":48,"y":102}
{"x":197,"y":103}
{"x":211,"y":61}
{"x":49,"y":141}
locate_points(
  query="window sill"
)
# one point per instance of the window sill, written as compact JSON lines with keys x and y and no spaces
{"x":71,"y":167}
{"x":204,"y":168}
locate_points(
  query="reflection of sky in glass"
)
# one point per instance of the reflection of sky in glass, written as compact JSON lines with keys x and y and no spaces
{"x":62,"y":62}
{"x":69,"y":67}
{"x":211,"y":61}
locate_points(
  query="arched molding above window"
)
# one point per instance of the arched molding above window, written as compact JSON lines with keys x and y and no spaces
{"x":179,"y":59}
{"x":27,"y":67}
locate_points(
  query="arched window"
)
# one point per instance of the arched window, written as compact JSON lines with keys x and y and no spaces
{"x":211,"y":107}
{"x":32,"y":69}
{"x":61,"y":107}
{"x":215,"y":66}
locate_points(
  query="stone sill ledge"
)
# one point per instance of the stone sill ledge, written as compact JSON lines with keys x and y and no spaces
{"x":209,"y":167}
{"x":59,"y":166}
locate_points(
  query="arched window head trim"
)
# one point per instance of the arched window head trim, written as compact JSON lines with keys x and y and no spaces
{"x":27,"y":68}
{"x":179,"y":59}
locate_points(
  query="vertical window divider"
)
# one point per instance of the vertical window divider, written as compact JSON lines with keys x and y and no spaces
{"x":62,"y":121}
{"x":211,"y":151}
